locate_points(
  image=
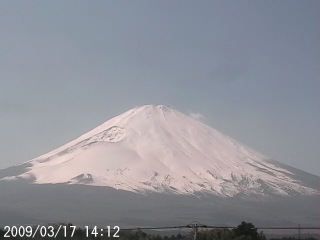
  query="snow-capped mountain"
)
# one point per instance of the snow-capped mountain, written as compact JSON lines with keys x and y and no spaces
{"x":159,"y":149}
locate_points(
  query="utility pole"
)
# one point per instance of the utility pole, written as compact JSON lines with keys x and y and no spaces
{"x":195,"y":226}
{"x":195,"y":229}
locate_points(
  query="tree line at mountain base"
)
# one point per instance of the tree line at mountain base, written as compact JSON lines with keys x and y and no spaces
{"x":244,"y":231}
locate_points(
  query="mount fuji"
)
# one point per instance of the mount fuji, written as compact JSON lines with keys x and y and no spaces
{"x":159,"y":151}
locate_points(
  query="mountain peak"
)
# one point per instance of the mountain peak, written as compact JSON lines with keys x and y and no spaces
{"x":154,"y":148}
{"x":150,"y":107}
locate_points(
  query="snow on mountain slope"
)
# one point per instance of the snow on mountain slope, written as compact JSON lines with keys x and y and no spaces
{"x":159,"y":149}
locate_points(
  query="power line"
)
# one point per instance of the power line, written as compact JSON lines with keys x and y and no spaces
{"x":197,"y":225}
{"x":151,"y":228}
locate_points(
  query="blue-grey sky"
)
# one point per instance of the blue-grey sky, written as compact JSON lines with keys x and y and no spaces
{"x":251,"y":68}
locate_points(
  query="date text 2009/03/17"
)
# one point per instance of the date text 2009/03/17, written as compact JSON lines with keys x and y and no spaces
{"x":59,"y":231}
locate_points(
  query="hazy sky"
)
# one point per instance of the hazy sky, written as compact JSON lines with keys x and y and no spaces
{"x":251,"y":68}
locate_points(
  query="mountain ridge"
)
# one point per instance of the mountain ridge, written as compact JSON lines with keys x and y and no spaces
{"x":159,"y":149}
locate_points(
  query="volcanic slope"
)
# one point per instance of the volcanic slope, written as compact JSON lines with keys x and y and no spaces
{"x":159,"y":149}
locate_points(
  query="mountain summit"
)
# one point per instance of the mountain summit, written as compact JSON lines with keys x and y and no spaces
{"x":159,"y":149}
